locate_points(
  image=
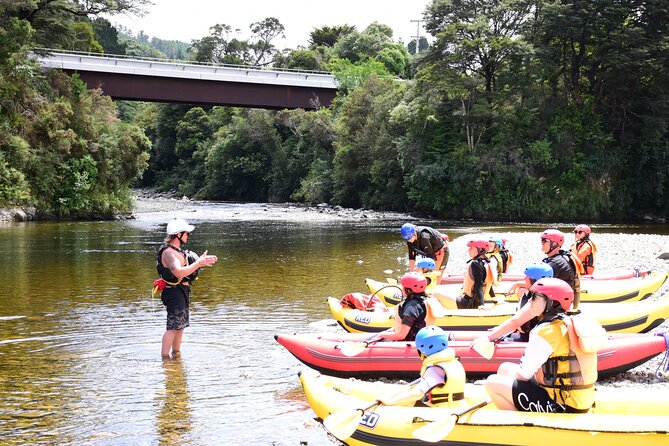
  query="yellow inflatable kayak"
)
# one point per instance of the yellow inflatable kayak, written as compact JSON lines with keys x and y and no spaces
{"x":621,"y":417}
{"x":625,"y":317}
{"x":595,"y":291}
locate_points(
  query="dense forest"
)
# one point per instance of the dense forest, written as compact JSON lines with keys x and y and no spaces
{"x":515,"y":110}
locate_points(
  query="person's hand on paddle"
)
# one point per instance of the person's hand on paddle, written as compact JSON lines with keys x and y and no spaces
{"x":483,"y":346}
{"x":206,"y":259}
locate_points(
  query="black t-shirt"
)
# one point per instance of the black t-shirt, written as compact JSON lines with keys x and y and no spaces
{"x":412,"y":312}
{"x":563,"y":268}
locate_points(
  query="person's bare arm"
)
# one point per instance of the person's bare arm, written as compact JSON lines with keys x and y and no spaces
{"x":172,"y":261}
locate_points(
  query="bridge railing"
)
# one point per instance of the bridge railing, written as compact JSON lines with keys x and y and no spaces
{"x":124,"y":65}
{"x":47,"y":51}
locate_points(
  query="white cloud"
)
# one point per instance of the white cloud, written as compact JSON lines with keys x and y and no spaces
{"x":187,"y":20}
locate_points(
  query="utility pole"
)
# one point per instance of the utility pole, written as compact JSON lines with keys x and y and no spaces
{"x":417,"y":36}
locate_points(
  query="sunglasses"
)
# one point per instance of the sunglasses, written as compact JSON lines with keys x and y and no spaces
{"x":578,"y":232}
{"x":544,"y":240}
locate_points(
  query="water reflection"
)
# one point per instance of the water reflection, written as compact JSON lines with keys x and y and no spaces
{"x":174,"y":418}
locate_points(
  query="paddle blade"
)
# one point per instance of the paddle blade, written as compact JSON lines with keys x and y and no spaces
{"x":353,"y":348}
{"x":436,"y":430}
{"x":343,"y":424}
{"x":484,"y":348}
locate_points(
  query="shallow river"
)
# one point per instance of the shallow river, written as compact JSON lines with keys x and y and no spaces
{"x":80,"y":334}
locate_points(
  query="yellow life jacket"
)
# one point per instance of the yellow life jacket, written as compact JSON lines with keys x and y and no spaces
{"x":453,"y":390}
{"x":468,"y":283}
{"x":500,"y":266}
{"x":432,"y":279}
{"x":568,"y":378}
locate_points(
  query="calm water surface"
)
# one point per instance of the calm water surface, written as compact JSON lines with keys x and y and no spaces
{"x":80,"y":334}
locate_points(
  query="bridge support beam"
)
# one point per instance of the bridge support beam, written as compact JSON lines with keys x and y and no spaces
{"x":206,"y":92}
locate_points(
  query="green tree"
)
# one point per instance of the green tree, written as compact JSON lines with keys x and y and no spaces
{"x":327,"y":36}
{"x":366,"y":168}
{"x":107,"y":36}
{"x":261,"y":46}
{"x":220,"y":47}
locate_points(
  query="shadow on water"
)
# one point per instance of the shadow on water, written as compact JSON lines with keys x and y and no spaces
{"x":80,"y":334}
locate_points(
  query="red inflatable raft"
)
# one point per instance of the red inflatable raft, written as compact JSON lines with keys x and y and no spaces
{"x":323,"y":352}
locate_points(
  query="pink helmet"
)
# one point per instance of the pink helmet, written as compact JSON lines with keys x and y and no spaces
{"x":554,"y":236}
{"x":555,"y":289}
{"x":414,"y":281}
{"x":584,"y":228}
{"x":478,"y":243}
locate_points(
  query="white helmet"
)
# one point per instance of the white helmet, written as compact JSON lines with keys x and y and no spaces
{"x":178,"y":225}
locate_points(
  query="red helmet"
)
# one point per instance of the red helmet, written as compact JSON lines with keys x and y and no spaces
{"x":414,"y":281}
{"x":555,"y":289}
{"x":554,"y":236}
{"x":584,"y":228}
{"x":478,"y":243}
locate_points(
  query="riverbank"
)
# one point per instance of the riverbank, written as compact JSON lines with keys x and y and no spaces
{"x":147,"y":201}
{"x":18,"y":214}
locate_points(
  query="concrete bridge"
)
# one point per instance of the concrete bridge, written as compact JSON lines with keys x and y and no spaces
{"x":122,"y":77}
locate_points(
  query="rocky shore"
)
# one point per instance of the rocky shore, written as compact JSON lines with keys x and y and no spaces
{"x":18,"y":214}
{"x":149,"y":201}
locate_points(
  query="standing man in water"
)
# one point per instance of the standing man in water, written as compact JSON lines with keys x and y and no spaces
{"x":178,"y":268}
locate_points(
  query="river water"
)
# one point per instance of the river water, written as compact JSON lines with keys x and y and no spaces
{"x":80,"y":334}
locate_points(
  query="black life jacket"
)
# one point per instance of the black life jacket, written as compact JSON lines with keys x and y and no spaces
{"x":434,"y":242}
{"x":418,"y":323}
{"x":165,"y":272}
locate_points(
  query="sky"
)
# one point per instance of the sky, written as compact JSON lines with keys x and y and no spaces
{"x":186,"y":20}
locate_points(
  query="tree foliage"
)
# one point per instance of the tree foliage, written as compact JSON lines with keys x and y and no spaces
{"x":62,"y":147}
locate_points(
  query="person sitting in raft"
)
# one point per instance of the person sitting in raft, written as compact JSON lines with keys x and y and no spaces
{"x":496,"y":262}
{"x":442,"y":377}
{"x":518,"y":327}
{"x":427,"y":242}
{"x":477,"y":281}
{"x":411,"y":313}
{"x":426,"y":267}
{"x":584,"y":248}
{"x":563,"y":382}
{"x":565,"y":265}
{"x":507,"y":257}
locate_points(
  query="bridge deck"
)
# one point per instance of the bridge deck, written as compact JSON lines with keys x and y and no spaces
{"x":154,"y":80}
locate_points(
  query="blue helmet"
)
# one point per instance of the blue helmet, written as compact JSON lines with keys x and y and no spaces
{"x":426,"y":263}
{"x":538,"y":271}
{"x":408,"y":230}
{"x":431,"y":340}
{"x":498,"y":241}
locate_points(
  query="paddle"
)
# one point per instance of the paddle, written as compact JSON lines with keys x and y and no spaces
{"x":343,"y":424}
{"x":484,"y":347}
{"x":437,"y":430}
{"x":350,"y":348}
